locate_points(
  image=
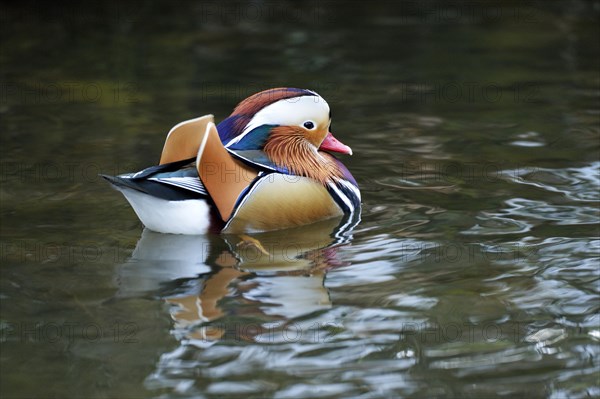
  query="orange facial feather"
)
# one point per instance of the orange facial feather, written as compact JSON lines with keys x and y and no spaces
{"x":288,"y":147}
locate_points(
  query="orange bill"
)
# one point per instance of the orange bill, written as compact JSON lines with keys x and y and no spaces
{"x":184,"y":139}
{"x":223,"y":176}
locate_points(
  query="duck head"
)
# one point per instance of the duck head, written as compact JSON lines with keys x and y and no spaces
{"x":292,"y":127}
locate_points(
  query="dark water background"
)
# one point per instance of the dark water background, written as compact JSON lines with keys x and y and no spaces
{"x":474,"y":271}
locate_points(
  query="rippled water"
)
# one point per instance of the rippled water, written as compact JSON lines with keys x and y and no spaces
{"x":473,"y":272}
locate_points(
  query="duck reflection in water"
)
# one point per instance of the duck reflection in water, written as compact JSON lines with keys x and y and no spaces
{"x":273,"y":276}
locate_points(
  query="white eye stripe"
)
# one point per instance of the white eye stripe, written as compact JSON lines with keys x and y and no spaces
{"x":286,"y":113}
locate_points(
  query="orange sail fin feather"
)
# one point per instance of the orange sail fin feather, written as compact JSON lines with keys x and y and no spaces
{"x":223,"y":176}
{"x":183,"y":141}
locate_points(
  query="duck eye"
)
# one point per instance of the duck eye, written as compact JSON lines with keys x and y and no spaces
{"x":309,"y":125}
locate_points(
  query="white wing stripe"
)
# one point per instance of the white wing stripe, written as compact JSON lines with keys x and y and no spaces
{"x":188,"y":183}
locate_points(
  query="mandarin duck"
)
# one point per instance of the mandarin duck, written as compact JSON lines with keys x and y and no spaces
{"x":265,"y":167}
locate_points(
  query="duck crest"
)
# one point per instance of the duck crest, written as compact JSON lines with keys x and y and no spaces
{"x":258,"y":101}
{"x":288,"y":148}
{"x":243,"y":113}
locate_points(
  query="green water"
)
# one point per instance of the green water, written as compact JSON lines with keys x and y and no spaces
{"x":474,"y":271}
